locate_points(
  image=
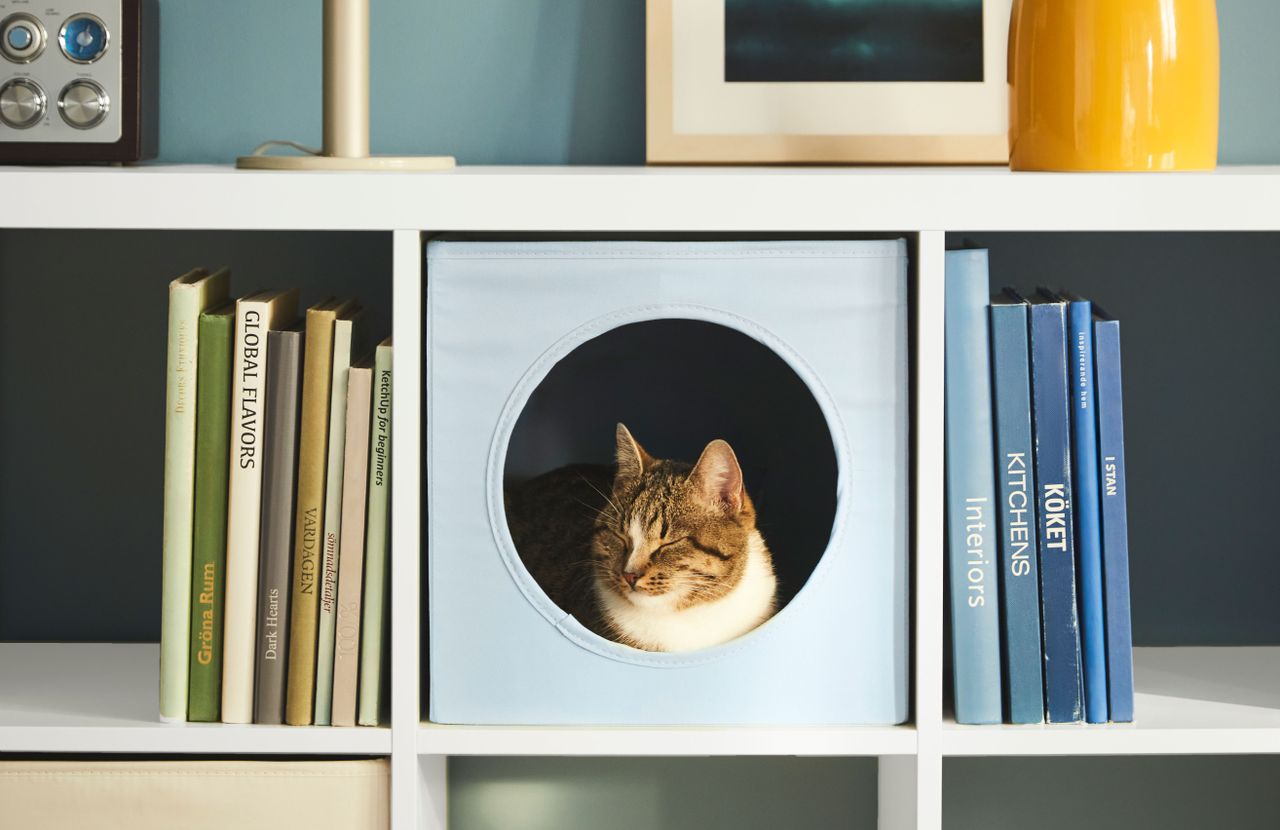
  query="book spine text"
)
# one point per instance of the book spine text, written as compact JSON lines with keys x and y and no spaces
{"x":209,"y":536}
{"x":1084,"y":458}
{"x":373,"y":624}
{"x":1115,"y":522}
{"x":971,"y":503}
{"x":1050,"y":405}
{"x":1019,"y":557}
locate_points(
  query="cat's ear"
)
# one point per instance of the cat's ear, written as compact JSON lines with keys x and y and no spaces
{"x":632,"y":459}
{"x":717,"y":478}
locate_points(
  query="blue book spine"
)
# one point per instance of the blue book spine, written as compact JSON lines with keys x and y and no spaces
{"x":1019,"y":555}
{"x":1084,"y":458}
{"x":1051,"y":421}
{"x":1115,"y":520}
{"x":972,"y":526}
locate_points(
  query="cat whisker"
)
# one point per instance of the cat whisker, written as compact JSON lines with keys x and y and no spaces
{"x":607,"y":498}
{"x":597,"y":511}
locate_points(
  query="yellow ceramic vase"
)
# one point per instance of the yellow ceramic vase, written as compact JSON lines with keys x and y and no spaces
{"x":1113,"y":85}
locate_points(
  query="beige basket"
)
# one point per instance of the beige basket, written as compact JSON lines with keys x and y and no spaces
{"x":194,"y":795}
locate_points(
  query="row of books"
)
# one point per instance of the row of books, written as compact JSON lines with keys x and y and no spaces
{"x":277,"y":485}
{"x":1037,"y":528}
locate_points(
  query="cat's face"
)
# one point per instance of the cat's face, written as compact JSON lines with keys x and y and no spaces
{"x":673,"y":536}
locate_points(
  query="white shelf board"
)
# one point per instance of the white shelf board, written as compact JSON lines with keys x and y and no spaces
{"x":1189,"y":701}
{"x":103,"y":697}
{"x":640,"y":199}
{"x":630,"y":741}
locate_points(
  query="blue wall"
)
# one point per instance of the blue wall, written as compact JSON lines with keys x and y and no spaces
{"x":490,"y":81}
{"x":515,"y":81}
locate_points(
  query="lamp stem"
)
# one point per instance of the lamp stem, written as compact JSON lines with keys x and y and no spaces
{"x":346,"y":78}
{"x":346,"y":105}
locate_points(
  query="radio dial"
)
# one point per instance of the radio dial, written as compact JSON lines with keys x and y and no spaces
{"x":83,"y":38}
{"x":22,"y":103}
{"x":83,"y":104}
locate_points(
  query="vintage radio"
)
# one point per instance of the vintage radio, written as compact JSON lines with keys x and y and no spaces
{"x":78,"y":82}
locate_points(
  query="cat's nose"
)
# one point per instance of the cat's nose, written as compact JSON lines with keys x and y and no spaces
{"x":630,"y":577}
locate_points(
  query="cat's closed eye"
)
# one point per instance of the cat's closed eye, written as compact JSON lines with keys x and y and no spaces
{"x":667,"y":545}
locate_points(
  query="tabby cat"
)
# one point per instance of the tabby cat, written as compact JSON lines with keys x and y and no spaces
{"x":658,"y":555}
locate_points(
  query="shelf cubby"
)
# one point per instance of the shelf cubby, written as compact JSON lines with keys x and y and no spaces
{"x":83,"y":321}
{"x":1198,"y":352}
{"x":670,"y":793}
{"x":1179,"y":793}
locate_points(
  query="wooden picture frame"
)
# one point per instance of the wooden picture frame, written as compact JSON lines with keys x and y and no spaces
{"x":675,"y":96}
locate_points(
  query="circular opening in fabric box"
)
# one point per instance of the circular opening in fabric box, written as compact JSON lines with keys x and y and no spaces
{"x":701,"y":517}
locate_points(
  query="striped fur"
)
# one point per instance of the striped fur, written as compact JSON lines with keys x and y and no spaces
{"x":658,"y":555}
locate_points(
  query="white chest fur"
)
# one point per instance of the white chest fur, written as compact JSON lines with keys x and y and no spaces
{"x":653,"y":623}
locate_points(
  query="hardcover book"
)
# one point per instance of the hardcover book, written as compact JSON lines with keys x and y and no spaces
{"x":209,"y":526}
{"x":256,"y":315}
{"x":1051,"y":419}
{"x":355,"y":472}
{"x":189,"y":296}
{"x":377,"y":541}
{"x":972,"y":526}
{"x":348,"y":337}
{"x":1115,"y":521}
{"x":1015,"y":470}
{"x":317,"y":369}
{"x":279,"y":462}
{"x":1084,"y":459}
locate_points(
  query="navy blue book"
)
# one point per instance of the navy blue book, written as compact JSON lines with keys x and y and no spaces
{"x":1015,"y":469}
{"x":972,"y":526}
{"x":1115,"y":522}
{"x":1084,"y":459}
{"x":1051,"y":420}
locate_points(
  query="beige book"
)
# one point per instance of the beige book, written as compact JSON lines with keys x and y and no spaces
{"x":349,"y":341}
{"x":256,"y":315}
{"x":308,"y":545}
{"x":355,"y":472}
{"x":377,"y":541}
{"x":189,"y":295}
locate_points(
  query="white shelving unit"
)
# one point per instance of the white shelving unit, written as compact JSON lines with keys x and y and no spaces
{"x":88,"y":697}
{"x":101,"y":698}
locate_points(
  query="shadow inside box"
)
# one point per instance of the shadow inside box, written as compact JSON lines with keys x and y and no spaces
{"x":1235,"y":675}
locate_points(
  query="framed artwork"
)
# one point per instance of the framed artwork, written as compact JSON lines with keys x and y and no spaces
{"x":827,"y":81}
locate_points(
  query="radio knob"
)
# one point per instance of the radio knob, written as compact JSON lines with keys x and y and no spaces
{"x":22,"y":103}
{"x":83,"y":104}
{"x":22,"y":38}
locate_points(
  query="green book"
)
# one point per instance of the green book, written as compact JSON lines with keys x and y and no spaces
{"x":209,"y":526}
{"x":373,"y":625}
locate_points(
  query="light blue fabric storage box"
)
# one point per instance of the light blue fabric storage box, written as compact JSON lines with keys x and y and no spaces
{"x":502,"y":318}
